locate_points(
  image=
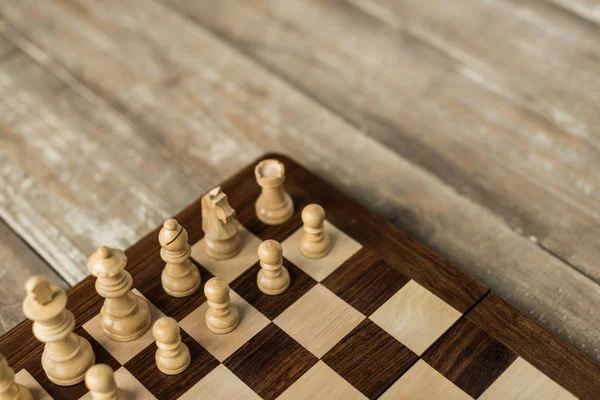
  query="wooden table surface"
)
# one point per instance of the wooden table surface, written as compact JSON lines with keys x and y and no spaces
{"x":473,"y":125}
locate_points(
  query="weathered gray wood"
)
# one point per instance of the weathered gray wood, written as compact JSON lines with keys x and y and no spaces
{"x":17,"y":264}
{"x":215,"y":109}
{"x":74,"y":175}
{"x":587,"y":9}
{"x":509,"y":120}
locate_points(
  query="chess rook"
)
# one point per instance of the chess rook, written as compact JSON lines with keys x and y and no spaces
{"x":273,"y":278}
{"x":9,"y":389}
{"x":221,"y":238}
{"x":221,"y":316}
{"x":124,"y":315}
{"x":274,"y":206}
{"x":172,"y":356}
{"x":180,"y":278}
{"x":314,"y":242}
{"x":100,"y":381}
{"x":66,"y":355}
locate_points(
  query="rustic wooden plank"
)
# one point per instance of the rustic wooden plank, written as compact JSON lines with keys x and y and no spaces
{"x":19,"y":263}
{"x":500,"y":127}
{"x":74,"y":175}
{"x":174,"y":78}
{"x":587,"y":9}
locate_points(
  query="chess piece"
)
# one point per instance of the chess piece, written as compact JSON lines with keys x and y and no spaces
{"x":172,"y":356}
{"x":9,"y":389}
{"x":274,"y":206}
{"x":124,"y":316}
{"x":66,"y":355}
{"x":221,"y":316}
{"x":180,"y":277}
{"x":273,"y":278}
{"x":314,"y":242}
{"x":221,"y":238}
{"x":100,"y":381}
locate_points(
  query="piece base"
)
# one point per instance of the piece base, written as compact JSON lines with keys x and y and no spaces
{"x":182,"y":294}
{"x":315,"y":255}
{"x":175,"y":371}
{"x":273,"y":292}
{"x":129,"y":338}
{"x":74,"y":381}
{"x":224,"y":330}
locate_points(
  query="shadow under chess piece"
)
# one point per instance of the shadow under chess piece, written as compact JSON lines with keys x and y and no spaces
{"x":274,"y":206}
{"x":124,"y":315}
{"x":180,"y":278}
{"x":66,"y":355}
{"x":100,"y":381}
{"x":172,"y":356}
{"x":314,"y":242}
{"x":9,"y":389}
{"x":221,"y":316}
{"x":221,"y":238}
{"x":273,"y":278}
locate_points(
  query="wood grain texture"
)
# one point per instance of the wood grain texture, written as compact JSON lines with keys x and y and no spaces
{"x":74,"y":175}
{"x":172,"y":78}
{"x":502,"y":126}
{"x":18,"y":264}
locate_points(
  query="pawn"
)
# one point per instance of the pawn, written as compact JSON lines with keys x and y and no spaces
{"x":100,"y":381}
{"x":221,"y":316}
{"x":180,"y":278}
{"x":273,"y":278}
{"x":124,"y":316}
{"x":9,"y":389}
{"x":314,"y":242}
{"x":172,"y":356}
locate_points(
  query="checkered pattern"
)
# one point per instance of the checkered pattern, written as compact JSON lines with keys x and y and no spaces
{"x":350,"y":326}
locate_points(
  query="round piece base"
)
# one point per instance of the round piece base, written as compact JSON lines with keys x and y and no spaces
{"x":273,"y":292}
{"x":223,"y":330}
{"x":181,"y":294}
{"x":221,"y":256}
{"x":175,"y":371}
{"x":86,"y":347}
{"x":130,"y":337}
{"x":315,"y":255}
{"x":275,"y":216}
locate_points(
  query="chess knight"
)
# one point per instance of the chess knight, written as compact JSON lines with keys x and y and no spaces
{"x":220,"y":227}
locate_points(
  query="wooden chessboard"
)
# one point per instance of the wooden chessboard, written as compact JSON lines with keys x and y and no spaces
{"x":380,"y":315}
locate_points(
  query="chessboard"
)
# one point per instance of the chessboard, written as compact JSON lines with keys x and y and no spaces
{"x":380,"y":316}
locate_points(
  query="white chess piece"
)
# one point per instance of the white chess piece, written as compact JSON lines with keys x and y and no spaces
{"x":124,"y":316}
{"x":221,"y":237}
{"x":221,"y":316}
{"x":273,"y":278}
{"x":314,"y":242}
{"x":66,"y":355}
{"x":274,"y":206}
{"x":100,"y":381}
{"x":9,"y":389}
{"x":180,"y":278}
{"x":172,"y":356}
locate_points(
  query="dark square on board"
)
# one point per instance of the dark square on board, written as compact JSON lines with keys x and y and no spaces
{"x":272,"y":306}
{"x":370,"y":359}
{"x":162,"y":386}
{"x":469,"y":357}
{"x":270,"y":362}
{"x":365,"y":281}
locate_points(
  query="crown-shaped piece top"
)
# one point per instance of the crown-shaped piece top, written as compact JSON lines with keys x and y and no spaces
{"x":44,"y":300}
{"x":107,"y":261}
{"x":270,"y":170}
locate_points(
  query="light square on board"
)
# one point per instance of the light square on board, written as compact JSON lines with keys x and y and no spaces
{"x":235,"y":266}
{"x":415,"y":316}
{"x":321,"y":382}
{"x":24,"y":378}
{"x":123,"y":351}
{"x":342,"y":248}
{"x":422,"y":382}
{"x":220,"y":384}
{"x":318,"y":320}
{"x":222,"y":346}
{"x":132,"y":388}
{"x":521,"y":380}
